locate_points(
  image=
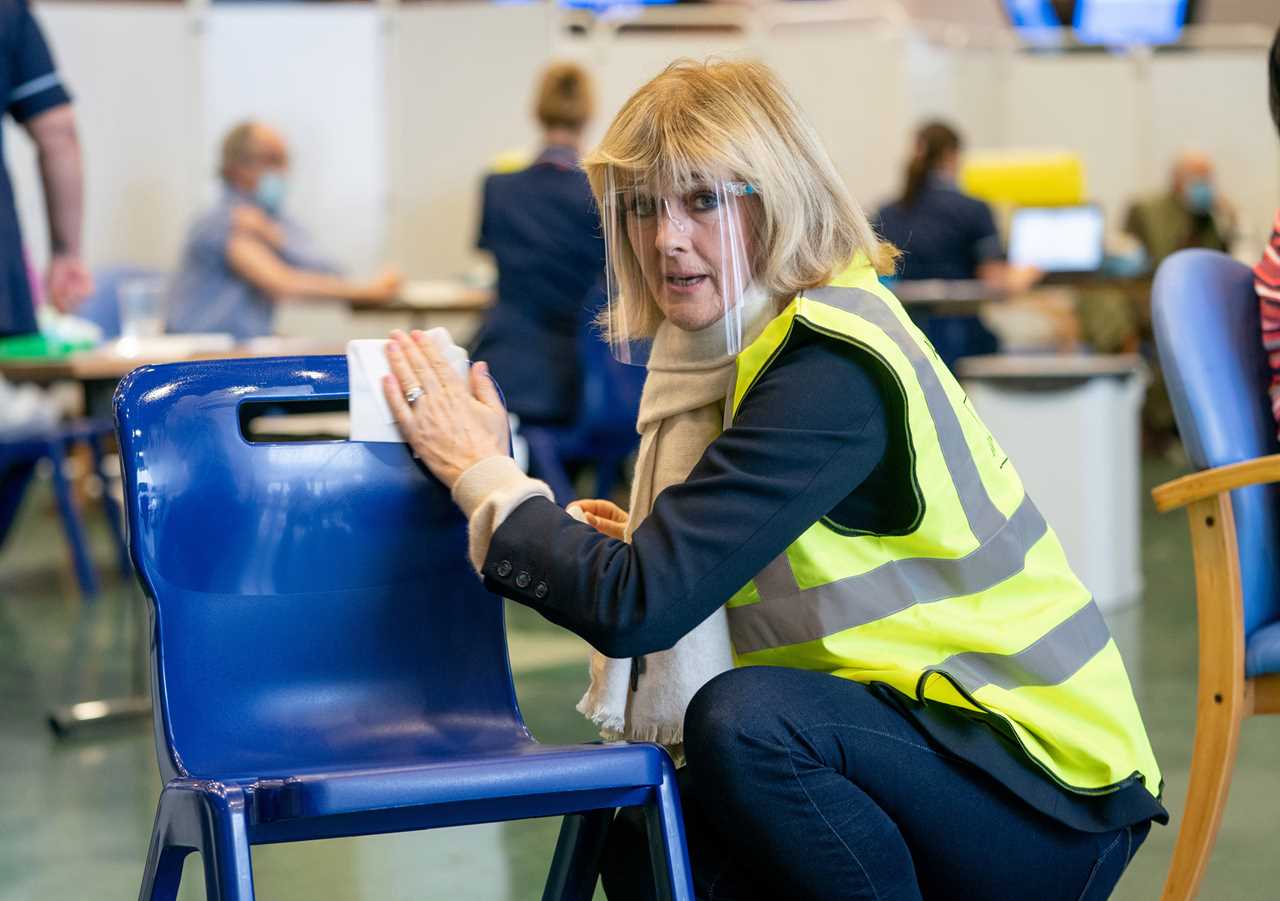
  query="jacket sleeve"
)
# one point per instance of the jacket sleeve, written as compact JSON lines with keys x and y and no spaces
{"x":806,"y":435}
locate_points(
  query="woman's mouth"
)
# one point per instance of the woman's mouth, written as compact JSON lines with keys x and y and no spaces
{"x":685,"y":283}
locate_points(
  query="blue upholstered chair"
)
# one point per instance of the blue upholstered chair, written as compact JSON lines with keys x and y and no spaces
{"x":1206,"y":326}
{"x":324,"y":662}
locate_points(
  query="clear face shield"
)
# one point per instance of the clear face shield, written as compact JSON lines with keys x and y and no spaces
{"x":679,"y":254}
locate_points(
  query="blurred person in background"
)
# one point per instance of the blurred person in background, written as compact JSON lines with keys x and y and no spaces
{"x":244,"y":255}
{"x":38,"y":100}
{"x":1191,"y":213}
{"x":1267,"y":273}
{"x":945,"y":234}
{"x":542,"y":228}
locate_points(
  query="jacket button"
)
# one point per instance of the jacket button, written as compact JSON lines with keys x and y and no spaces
{"x":540,"y":590}
{"x":504,"y":569}
{"x":523,"y":580}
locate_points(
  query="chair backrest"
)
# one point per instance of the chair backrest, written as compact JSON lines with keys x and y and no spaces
{"x":312,"y":603}
{"x":610,"y":401}
{"x":1205,"y":316}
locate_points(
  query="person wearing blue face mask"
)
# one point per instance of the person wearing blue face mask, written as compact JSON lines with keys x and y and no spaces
{"x":1190,"y":214}
{"x":244,"y":255}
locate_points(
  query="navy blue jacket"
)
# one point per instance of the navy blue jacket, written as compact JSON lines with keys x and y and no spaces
{"x":944,"y":234}
{"x":542,"y":227}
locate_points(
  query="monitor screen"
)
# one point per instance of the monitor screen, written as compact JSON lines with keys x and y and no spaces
{"x":1036,"y":21}
{"x":1129,"y":22}
{"x":1057,"y":239}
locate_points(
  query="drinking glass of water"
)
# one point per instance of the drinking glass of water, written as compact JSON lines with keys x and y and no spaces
{"x":142,"y":306}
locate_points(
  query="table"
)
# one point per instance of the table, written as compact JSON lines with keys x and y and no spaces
{"x":936,"y":295}
{"x":112,"y":362}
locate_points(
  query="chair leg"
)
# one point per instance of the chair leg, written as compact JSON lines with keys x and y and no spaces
{"x":14,"y":478}
{"x":1212,"y":762}
{"x":575,"y":868}
{"x":228,"y":866}
{"x":672,"y":874}
{"x":208,"y":818}
{"x":115,"y":518}
{"x":71,"y":525}
{"x":164,"y":871}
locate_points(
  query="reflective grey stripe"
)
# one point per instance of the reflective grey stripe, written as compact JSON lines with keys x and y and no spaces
{"x":1053,"y":659}
{"x":34,"y":86}
{"x":985,"y":519}
{"x":788,"y":615}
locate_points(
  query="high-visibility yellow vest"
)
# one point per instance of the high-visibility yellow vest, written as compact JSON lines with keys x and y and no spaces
{"x":972,"y":603}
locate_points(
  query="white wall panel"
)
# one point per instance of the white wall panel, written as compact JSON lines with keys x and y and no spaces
{"x":960,"y":85}
{"x":851,"y":80}
{"x":463,"y":77}
{"x":132,"y":71}
{"x":318,"y":75}
{"x":1217,"y":102}
{"x":1086,"y":103}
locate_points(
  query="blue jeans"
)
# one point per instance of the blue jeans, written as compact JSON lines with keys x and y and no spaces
{"x":803,"y":785}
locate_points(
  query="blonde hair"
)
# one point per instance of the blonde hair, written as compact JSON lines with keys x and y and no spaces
{"x":565,"y":98}
{"x":736,"y":120}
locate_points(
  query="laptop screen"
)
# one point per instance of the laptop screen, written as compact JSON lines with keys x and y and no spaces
{"x":1057,"y":239}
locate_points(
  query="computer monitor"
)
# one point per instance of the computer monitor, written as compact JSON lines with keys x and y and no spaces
{"x":1057,"y":239}
{"x":1128,"y":23}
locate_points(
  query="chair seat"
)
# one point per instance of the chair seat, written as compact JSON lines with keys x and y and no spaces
{"x":1262,"y":651}
{"x":525,"y":769}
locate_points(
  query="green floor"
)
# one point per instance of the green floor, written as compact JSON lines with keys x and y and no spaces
{"x":75,"y":816}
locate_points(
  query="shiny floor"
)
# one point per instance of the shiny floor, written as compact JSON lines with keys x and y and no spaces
{"x":75,"y":815}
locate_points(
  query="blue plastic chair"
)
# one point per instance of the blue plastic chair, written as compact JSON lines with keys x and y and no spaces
{"x":324,"y":661}
{"x":19,"y":455}
{"x":604,"y":431}
{"x":1205,"y":314}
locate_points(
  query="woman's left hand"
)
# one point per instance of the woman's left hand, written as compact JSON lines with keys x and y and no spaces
{"x":452,"y":425}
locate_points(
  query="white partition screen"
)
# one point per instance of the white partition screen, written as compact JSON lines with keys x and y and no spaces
{"x":317,"y":75}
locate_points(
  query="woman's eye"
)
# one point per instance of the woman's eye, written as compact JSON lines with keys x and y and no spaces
{"x":703,"y":201}
{"x":642,"y":205}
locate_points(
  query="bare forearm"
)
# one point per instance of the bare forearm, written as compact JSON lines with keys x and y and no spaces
{"x":257,"y":263}
{"x":300,"y":283}
{"x":58,"y":149}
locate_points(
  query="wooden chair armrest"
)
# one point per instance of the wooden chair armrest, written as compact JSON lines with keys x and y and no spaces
{"x":1201,"y":485}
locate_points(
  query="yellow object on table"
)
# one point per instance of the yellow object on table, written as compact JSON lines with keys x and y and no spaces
{"x":1024,"y":178}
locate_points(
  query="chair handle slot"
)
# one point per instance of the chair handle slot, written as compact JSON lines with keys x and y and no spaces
{"x":315,"y":420}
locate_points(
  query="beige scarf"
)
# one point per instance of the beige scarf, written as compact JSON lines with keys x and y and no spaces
{"x":681,"y":412}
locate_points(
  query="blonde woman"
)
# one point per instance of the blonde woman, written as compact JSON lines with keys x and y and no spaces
{"x":922,"y":700}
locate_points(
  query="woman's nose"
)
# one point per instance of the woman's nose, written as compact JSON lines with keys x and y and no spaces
{"x":673,"y":229}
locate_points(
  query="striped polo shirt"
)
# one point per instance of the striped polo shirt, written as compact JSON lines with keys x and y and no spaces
{"x":1266,"y":279}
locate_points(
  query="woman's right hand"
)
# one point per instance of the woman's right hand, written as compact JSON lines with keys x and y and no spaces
{"x":605,"y":517}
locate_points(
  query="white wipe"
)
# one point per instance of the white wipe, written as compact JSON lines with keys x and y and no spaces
{"x":371,"y":417}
